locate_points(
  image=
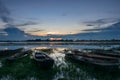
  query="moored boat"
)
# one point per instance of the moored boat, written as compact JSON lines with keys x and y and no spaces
{"x":18,"y":55}
{"x":43,"y":60}
{"x":107,"y":53}
{"x":95,"y":56}
{"x":100,"y":61}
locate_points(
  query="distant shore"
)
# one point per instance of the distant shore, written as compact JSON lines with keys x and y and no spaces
{"x":62,"y":43}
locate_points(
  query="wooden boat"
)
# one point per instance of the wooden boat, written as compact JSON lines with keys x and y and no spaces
{"x":43,"y":60}
{"x":21,"y":54}
{"x":8,"y":53}
{"x":100,"y":61}
{"x":107,"y":53}
{"x":117,"y":51}
{"x":95,"y":56}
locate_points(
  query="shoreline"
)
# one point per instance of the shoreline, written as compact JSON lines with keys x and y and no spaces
{"x":59,"y":43}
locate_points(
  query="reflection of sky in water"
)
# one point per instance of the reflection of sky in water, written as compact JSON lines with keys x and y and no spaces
{"x":61,"y":46}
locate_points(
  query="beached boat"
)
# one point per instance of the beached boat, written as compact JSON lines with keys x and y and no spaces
{"x":107,"y":53}
{"x":101,"y":61}
{"x":8,"y":53}
{"x":95,"y":56}
{"x":43,"y":60}
{"x":18,"y":55}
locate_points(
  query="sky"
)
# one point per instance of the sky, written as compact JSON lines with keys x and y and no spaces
{"x":61,"y":17}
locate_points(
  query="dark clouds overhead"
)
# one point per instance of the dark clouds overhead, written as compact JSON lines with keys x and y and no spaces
{"x":36,"y":30}
{"x":113,"y":27}
{"x":26,"y":23}
{"x":101,"y":22}
{"x":5,"y":13}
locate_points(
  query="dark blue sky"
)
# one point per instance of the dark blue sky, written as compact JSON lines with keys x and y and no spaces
{"x":42,"y":17}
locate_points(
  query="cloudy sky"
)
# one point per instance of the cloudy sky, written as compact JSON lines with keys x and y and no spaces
{"x":42,"y":17}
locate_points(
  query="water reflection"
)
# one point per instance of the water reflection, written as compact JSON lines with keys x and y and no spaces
{"x":60,"y":46}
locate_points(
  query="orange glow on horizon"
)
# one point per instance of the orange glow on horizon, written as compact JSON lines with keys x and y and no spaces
{"x":55,"y":39}
{"x":50,"y":33}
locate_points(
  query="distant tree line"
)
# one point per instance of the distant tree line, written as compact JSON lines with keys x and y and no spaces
{"x":62,"y":40}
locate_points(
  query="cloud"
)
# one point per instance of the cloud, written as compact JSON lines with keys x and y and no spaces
{"x":35,"y":30}
{"x":113,"y":27}
{"x":92,"y":30}
{"x":2,"y":33}
{"x":89,"y":25}
{"x":10,"y":22}
{"x":101,"y":22}
{"x":5,"y":14}
{"x":26,"y":23}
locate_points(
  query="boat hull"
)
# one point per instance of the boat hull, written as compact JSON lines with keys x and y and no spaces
{"x":45,"y":64}
{"x":90,"y":61}
{"x":43,"y":60}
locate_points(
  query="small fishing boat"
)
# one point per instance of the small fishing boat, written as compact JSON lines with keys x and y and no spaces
{"x":101,"y":61}
{"x":107,"y":53}
{"x":43,"y":60}
{"x":18,"y":55}
{"x":95,"y":56}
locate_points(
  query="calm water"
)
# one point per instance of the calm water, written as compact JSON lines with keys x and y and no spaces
{"x":60,"y":46}
{"x":64,"y":69}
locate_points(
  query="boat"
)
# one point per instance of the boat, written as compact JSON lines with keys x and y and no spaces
{"x":107,"y":53}
{"x":8,"y":53}
{"x":43,"y":60}
{"x":100,"y":61}
{"x":18,"y":55}
{"x":95,"y":56}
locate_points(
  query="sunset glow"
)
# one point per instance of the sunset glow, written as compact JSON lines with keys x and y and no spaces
{"x":50,"y":33}
{"x":55,"y":39}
